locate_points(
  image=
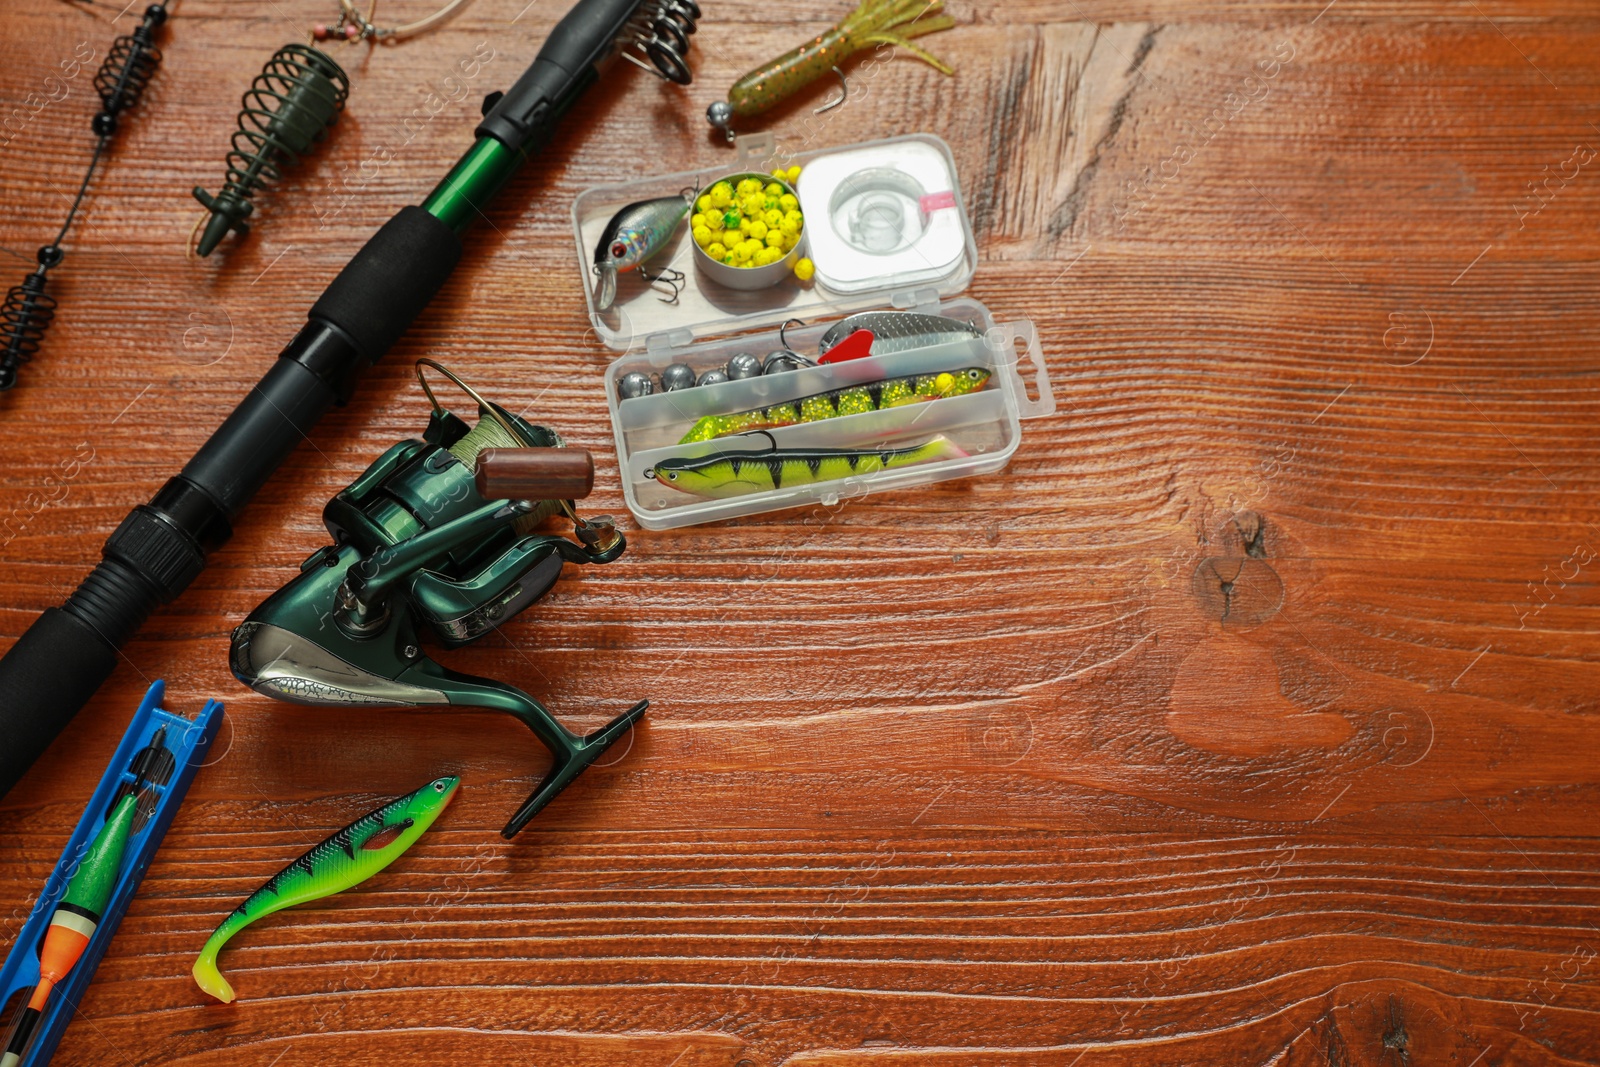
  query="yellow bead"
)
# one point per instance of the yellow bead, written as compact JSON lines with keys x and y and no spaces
{"x":943,"y":382}
{"x":716,"y":251}
{"x":697,"y":219}
{"x":754,"y":204}
{"x":804,"y":269}
{"x":749,"y":185}
{"x":772,"y":218}
{"x":788,"y":202}
{"x":773,"y":189}
{"x":744,"y":226}
{"x":702,"y":236}
{"x":789,"y":241}
{"x":758,"y":230}
{"x":703,"y":202}
{"x":719,"y":197}
{"x":793,"y":174}
{"x":774,"y":238}
{"x":741,"y":253}
{"x":789,"y":226}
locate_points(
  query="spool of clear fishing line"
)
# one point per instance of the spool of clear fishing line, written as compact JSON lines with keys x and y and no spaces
{"x":890,"y":217}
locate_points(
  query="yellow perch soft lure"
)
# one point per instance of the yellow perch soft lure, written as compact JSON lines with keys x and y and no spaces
{"x":346,"y":859}
{"x":724,"y":474}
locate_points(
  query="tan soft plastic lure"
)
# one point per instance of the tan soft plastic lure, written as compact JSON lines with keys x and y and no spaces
{"x":873,"y":23}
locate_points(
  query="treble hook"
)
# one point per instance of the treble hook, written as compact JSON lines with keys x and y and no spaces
{"x":844,"y":94}
{"x":669,"y":277}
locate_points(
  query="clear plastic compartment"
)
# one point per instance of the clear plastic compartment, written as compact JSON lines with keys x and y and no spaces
{"x":908,"y":181}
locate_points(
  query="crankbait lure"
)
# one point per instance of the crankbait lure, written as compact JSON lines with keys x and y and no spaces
{"x":850,"y":400}
{"x":635,"y":234}
{"x":723,"y":474}
{"x":872,"y":23}
{"x":346,"y":859}
{"x":898,"y":331}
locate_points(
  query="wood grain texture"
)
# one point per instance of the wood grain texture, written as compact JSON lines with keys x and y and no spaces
{"x":1246,"y":718}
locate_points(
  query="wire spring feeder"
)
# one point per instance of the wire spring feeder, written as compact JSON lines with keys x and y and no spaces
{"x":120,"y":81}
{"x":287,"y":109}
{"x":660,"y":31}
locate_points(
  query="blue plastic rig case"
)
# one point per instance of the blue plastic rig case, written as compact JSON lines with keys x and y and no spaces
{"x":188,"y":740}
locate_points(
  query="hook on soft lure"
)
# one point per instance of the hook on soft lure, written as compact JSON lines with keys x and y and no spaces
{"x":874,"y":23}
{"x":784,"y":357}
{"x":344,"y":860}
{"x":844,"y":95}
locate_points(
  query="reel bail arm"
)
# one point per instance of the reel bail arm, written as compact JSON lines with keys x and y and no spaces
{"x":364,"y":594}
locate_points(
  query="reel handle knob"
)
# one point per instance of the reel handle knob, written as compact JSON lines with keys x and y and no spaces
{"x":534,"y":473}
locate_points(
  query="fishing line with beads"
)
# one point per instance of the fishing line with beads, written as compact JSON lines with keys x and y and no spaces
{"x":121,"y":80}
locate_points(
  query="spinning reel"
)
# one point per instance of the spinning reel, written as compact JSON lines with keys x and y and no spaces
{"x":422,"y":542}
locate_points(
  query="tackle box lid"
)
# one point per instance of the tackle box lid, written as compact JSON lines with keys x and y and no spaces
{"x":893,"y":232}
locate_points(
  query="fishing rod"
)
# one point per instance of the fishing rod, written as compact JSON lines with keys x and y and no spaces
{"x":60,"y":660}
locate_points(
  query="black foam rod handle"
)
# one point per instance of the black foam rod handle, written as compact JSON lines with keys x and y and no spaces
{"x":52,"y":670}
{"x":159,"y":549}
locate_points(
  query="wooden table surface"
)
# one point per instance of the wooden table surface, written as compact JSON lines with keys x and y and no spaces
{"x":1248,"y":717}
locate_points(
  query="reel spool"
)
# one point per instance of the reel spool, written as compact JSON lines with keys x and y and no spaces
{"x":416,"y":548}
{"x":288,"y":108}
